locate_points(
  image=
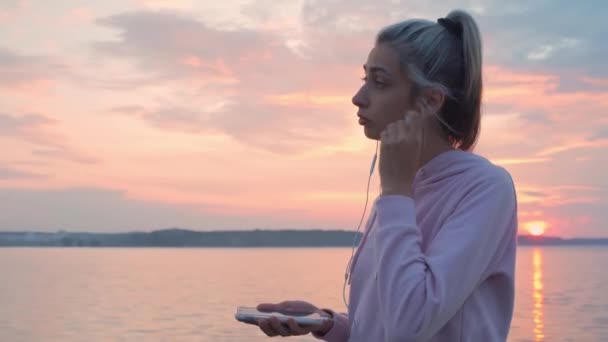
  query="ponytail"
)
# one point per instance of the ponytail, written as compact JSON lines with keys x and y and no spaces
{"x":472,"y":79}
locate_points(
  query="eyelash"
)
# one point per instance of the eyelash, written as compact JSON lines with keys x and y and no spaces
{"x":376,"y":82}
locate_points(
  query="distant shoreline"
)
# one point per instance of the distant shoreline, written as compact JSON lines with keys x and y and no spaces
{"x":176,"y":237}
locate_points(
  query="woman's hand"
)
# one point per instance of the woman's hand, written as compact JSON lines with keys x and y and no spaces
{"x":273,"y":327}
{"x":401,"y":148}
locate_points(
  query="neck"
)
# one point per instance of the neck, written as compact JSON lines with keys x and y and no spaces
{"x":434,"y":149}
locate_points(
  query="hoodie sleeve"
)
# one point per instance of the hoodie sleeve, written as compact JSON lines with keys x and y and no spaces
{"x":419,"y":292}
{"x":340,"y":331}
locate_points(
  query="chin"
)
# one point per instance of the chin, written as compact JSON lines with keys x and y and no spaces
{"x":371,"y":134}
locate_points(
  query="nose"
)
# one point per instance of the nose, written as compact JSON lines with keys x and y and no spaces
{"x":361,"y":99}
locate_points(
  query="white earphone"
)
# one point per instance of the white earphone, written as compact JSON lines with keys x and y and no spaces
{"x":347,"y":274}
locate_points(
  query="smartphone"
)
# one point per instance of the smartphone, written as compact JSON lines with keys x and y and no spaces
{"x":251,"y":315}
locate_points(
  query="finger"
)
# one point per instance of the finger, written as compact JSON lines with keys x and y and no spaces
{"x":408,"y":114}
{"x":295,"y":328}
{"x":402,"y":129}
{"x":391,"y":130}
{"x":277,"y":326}
{"x":412,"y":115}
{"x":400,"y":132}
{"x":289,"y":307}
{"x":264,"y":325}
{"x":386,"y":138}
{"x":410,"y":118}
{"x":268,"y":307}
{"x":413,"y":123}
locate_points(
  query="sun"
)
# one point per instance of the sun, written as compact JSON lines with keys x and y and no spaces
{"x":536,"y":228}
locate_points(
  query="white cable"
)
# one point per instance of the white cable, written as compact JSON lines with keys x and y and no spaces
{"x":352,"y":252}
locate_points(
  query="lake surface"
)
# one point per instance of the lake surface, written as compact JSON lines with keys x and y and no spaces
{"x":166,"y":294}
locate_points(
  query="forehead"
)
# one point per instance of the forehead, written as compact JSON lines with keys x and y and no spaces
{"x":385,"y":57}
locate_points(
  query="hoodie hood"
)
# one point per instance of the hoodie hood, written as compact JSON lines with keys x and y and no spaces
{"x":445,"y":166}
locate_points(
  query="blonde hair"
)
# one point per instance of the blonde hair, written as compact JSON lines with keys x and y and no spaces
{"x":445,"y":55}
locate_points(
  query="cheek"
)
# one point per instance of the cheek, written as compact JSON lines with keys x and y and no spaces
{"x":390,"y":107}
{"x":399,"y":106}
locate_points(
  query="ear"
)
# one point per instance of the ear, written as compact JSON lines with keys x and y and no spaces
{"x":431,"y":100}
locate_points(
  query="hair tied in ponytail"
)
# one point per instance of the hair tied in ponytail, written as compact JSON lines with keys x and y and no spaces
{"x":451,"y":26}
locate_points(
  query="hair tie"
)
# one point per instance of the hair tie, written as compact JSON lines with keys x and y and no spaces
{"x":451,"y":26}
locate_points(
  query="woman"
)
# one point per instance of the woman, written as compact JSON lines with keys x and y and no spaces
{"x":437,"y":259}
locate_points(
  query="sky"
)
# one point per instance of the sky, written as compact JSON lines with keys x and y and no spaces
{"x":212,"y":115}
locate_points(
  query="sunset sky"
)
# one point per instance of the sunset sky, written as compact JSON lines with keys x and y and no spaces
{"x":125,"y":115}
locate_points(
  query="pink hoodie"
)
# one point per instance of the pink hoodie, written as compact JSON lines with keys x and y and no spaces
{"x":440,"y":266}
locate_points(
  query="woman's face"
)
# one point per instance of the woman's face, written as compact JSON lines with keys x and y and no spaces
{"x":384,"y":96}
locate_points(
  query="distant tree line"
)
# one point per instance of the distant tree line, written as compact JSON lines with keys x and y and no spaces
{"x":186,"y":238}
{"x":252,"y":238}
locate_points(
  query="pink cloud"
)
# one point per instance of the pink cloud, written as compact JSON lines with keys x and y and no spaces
{"x":217,"y":68}
{"x":10,"y":173}
{"x":5,"y":16}
{"x":192,"y":61}
{"x":40,"y":131}
{"x":264,"y":85}
{"x":304,"y":99}
{"x":12,"y":11}
{"x":64,"y":153}
{"x":519,"y":161}
{"x":555,"y":196}
{"x":536,"y":91}
{"x":532,"y":121}
{"x":594,"y":144}
{"x":32,"y":75}
{"x":81,"y":14}
{"x":34,"y":88}
{"x":597,"y":82}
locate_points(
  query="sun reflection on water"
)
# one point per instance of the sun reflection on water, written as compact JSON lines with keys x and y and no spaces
{"x":537,"y":294}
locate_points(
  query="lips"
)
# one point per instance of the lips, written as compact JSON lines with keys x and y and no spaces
{"x":363,"y":121}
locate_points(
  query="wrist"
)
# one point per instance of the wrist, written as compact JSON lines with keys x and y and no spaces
{"x":325,"y":328}
{"x":403,"y":190}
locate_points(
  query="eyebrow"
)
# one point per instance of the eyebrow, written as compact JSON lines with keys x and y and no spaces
{"x":375,"y":68}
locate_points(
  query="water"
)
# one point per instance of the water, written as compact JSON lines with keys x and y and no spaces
{"x":148,"y":294}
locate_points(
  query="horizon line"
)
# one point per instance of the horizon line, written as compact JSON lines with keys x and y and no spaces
{"x":60,"y":231}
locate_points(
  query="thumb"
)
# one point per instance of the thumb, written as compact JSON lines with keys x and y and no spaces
{"x":268,"y":307}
